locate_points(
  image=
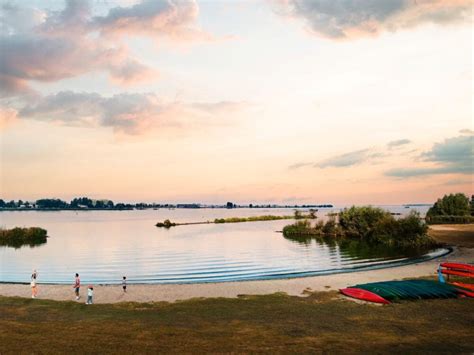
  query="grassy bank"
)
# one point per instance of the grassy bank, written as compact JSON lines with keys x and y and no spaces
{"x":272,"y":323}
{"x":18,"y":237}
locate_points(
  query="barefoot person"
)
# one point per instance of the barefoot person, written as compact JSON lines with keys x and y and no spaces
{"x":34,"y":287}
{"x":77,"y":286}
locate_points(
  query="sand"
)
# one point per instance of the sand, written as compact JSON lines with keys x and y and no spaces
{"x":295,"y":286}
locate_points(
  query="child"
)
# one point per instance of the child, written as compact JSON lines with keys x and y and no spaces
{"x":124,"y":284}
{"x":90,"y":293}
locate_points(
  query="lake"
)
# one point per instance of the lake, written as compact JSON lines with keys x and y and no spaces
{"x":102,"y":246}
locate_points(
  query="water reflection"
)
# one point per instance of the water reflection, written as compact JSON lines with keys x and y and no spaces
{"x":105,"y":245}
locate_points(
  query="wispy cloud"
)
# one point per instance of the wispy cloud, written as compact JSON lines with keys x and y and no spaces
{"x":346,"y":19}
{"x":452,"y":156}
{"x":345,"y":160}
{"x":129,"y":113}
{"x":398,"y":143}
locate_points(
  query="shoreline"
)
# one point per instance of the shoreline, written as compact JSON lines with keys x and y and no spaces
{"x":301,"y":286}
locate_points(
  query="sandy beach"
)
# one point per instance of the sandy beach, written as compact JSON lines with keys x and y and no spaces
{"x":295,"y":286}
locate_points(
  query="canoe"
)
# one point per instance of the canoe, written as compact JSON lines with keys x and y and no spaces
{"x":406,"y":290}
{"x":457,"y":273}
{"x":459,"y":267}
{"x":364,"y":295}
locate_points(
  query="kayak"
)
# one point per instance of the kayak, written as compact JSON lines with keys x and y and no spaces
{"x":364,"y":295}
{"x":463,"y":285}
{"x":459,"y":267}
{"x":457,"y":273}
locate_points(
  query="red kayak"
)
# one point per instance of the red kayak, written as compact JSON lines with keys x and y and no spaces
{"x":457,"y":273}
{"x":459,"y":267}
{"x":463,"y":285}
{"x":364,"y":295}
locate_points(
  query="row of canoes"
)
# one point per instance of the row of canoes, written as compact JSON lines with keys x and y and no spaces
{"x":389,"y":291}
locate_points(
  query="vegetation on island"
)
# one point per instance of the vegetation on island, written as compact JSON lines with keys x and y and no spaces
{"x":451,"y":209}
{"x":18,"y":237}
{"x":367,"y":224}
{"x":166,"y":224}
{"x":297,"y":215}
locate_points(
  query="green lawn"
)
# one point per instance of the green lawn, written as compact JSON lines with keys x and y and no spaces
{"x":271,"y":323}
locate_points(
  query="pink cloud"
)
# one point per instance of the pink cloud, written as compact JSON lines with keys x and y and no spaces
{"x":50,"y":46}
{"x":125,"y":113}
{"x":8,"y":116}
{"x":347,"y":19}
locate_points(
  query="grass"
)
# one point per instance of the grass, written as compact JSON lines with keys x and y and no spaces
{"x":322,"y":322}
{"x":454,"y":234}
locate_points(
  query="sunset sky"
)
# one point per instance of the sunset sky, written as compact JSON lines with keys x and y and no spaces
{"x":290,"y":101}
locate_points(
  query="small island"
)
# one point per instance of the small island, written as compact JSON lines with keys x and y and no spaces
{"x":367,"y":224}
{"x":297,"y":215}
{"x":18,"y":237}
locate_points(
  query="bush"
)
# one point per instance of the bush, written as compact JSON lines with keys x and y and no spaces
{"x":451,"y":205}
{"x":166,"y":224}
{"x":360,"y":221}
{"x":368,"y":224}
{"x":18,"y":237}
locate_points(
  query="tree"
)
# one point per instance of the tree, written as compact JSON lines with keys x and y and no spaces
{"x":230,"y":205}
{"x":451,"y":205}
{"x":472,"y":205}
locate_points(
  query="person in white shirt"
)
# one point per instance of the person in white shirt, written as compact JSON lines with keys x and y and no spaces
{"x":34,"y":287}
{"x":90,"y":294}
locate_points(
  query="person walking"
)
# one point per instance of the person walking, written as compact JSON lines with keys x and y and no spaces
{"x":124,"y":284}
{"x":34,"y":287}
{"x":77,"y":286}
{"x":90,"y":294}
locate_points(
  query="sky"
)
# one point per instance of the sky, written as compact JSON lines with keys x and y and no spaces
{"x":278,"y":101}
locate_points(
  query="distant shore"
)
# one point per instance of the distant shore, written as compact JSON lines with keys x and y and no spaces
{"x":459,"y":236}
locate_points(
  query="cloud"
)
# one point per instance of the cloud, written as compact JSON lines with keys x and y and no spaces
{"x":397,"y":143}
{"x":299,"y":165}
{"x":129,"y":113}
{"x":153,"y":18}
{"x":8,"y":116}
{"x":344,"y":160}
{"x":345,"y":19}
{"x":452,"y":156}
{"x":455,"y":182}
{"x":47,"y":46}
{"x":466,"y":131}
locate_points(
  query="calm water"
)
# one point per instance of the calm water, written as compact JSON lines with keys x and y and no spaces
{"x":104,"y":245}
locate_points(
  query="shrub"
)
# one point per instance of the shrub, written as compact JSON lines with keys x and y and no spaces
{"x":18,"y":237}
{"x":360,"y":221}
{"x":451,"y":205}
